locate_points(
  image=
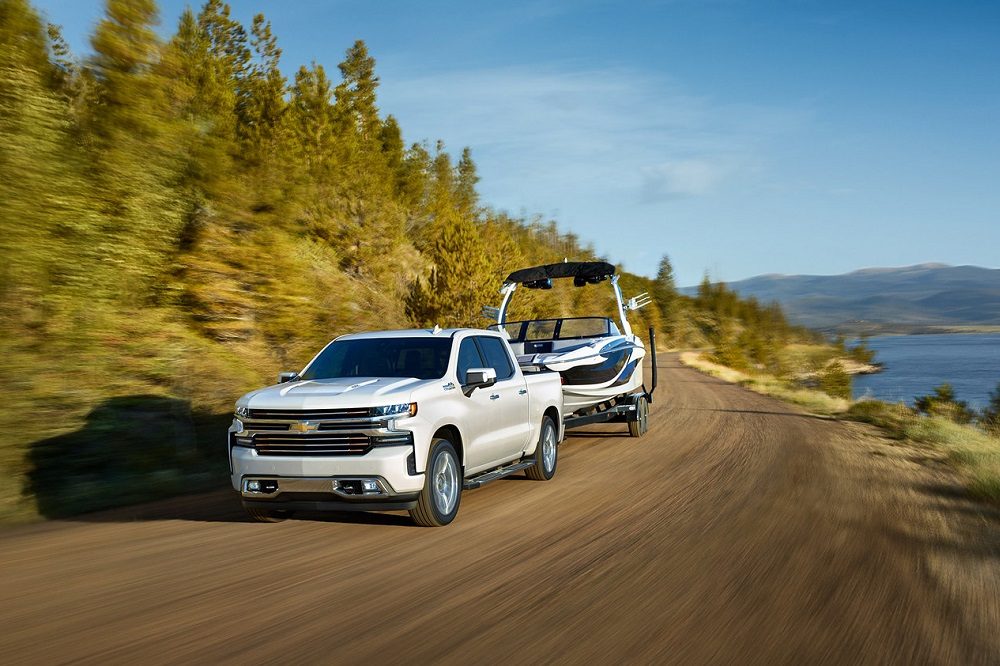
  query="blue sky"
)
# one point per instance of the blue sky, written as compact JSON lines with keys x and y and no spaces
{"x":737,"y":137}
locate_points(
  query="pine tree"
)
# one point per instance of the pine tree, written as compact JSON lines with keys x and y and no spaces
{"x":310,"y":119}
{"x":44,"y":216}
{"x":355,"y":96}
{"x":465,"y":184}
{"x":134,"y":145}
{"x":665,"y":292}
{"x":264,"y":104}
{"x":460,"y":281}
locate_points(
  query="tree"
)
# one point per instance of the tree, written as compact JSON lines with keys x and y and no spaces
{"x":391,"y":141}
{"x":310,"y":118}
{"x":943,"y":403}
{"x":465,"y":184}
{"x":834,"y":381}
{"x":44,"y":212}
{"x":665,"y":290}
{"x":263,"y":102}
{"x":135,"y":146}
{"x":460,"y":281}
{"x":355,"y":96}
{"x":990,"y":417}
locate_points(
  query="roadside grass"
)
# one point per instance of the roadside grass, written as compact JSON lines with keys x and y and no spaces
{"x":971,"y":451}
{"x":815,"y":401}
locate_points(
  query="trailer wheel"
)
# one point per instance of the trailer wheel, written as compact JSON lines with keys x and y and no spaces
{"x":640,"y":425}
{"x":438,"y":502}
{"x":546,"y":453}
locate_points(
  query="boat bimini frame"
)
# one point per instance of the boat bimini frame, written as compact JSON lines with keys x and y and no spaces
{"x":588,"y":272}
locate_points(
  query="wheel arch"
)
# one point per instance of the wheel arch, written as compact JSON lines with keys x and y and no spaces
{"x":553,"y":413}
{"x":453,"y":435}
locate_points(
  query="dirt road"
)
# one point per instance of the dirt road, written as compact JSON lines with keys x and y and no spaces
{"x":738,"y":530}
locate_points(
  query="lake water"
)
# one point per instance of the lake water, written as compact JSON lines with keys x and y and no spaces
{"x":915,"y":364}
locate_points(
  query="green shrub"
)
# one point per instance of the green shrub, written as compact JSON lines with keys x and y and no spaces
{"x":834,"y":381}
{"x":861,"y":352}
{"x":943,"y":403}
{"x":893,"y":418}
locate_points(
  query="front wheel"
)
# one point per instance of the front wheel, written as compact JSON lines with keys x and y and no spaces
{"x":546,"y":453}
{"x":438,"y":502}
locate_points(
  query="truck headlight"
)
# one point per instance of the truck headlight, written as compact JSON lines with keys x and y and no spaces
{"x":242,"y":411}
{"x":402,"y":409}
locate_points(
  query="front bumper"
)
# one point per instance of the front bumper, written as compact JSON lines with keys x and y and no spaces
{"x":322,"y":494}
{"x":388,"y":463}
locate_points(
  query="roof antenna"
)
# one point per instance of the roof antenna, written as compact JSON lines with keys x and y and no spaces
{"x":565,"y":260}
{"x":437,"y":329}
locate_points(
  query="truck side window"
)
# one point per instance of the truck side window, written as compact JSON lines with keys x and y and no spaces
{"x":468,"y":357}
{"x":496,"y":357}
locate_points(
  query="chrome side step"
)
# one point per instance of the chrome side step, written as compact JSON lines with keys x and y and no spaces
{"x":499,"y":473}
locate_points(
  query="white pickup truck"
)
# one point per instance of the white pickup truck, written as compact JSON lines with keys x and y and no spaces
{"x":394,"y":420}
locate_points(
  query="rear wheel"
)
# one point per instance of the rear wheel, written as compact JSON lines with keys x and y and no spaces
{"x":546,"y":453}
{"x":438,"y":502}
{"x":640,"y":425}
{"x":265,"y":515}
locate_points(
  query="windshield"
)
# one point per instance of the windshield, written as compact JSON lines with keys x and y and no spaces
{"x":569,"y":328}
{"x":421,"y":358}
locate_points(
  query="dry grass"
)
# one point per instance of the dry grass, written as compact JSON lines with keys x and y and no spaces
{"x":815,"y":401}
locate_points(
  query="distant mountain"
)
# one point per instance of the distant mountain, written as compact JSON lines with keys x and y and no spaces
{"x":926,"y":295}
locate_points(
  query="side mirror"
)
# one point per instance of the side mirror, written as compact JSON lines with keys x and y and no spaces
{"x":287,"y":377}
{"x":479,"y":378}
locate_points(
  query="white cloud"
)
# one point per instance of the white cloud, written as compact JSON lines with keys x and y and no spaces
{"x":589,"y":145}
{"x":681,"y":178}
{"x":535,"y":125}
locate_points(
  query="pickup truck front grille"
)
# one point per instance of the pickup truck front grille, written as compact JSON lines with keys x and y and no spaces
{"x":311,"y":414}
{"x":347,"y":444}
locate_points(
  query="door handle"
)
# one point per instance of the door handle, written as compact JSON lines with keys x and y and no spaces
{"x":522,"y":391}
{"x":495,"y":396}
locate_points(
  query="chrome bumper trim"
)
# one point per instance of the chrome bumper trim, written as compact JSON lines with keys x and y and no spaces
{"x":303,"y":484}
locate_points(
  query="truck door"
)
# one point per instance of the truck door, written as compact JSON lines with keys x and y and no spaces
{"x":477,"y":414}
{"x":508,"y":398}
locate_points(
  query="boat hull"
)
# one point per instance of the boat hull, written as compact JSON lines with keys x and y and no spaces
{"x":596,"y":373}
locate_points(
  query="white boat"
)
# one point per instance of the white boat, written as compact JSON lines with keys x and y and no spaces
{"x":599,"y":360}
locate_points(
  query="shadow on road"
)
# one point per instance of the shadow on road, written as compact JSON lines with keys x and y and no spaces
{"x":585,"y":434}
{"x":130,"y":449}
{"x":223,"y":506}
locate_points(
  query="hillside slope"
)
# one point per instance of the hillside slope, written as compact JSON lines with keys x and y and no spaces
{"x":925,"y":294}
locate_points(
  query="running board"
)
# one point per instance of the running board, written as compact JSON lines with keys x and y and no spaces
{"x":483,"y":479}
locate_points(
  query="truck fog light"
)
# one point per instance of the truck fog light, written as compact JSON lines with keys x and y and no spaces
{"x":371,"y":486}
{"x":253,"y":486}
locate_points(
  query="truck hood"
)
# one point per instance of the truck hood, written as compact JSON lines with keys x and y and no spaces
{"x":333,"y":393}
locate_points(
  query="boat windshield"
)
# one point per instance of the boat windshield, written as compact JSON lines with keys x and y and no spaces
{"x":421,"y":358}
{"x":569,"y":328}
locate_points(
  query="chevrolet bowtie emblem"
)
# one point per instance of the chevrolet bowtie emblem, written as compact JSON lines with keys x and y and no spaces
{"x":304,"y":426}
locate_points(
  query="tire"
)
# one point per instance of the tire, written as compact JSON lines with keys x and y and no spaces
{"x":546,"y":453}
{"x":265,"y":515}
{"x":438,"y":502}
{"x":639,"y":427}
